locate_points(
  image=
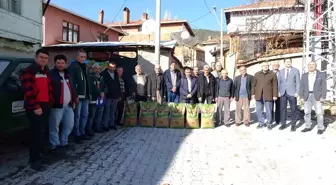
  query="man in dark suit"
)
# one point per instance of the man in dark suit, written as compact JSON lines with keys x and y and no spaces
{"x":276,"y":112}
{"x":196,"y":72}
{"x":124,"y":89}
{"x":206,"y":89}
{"x":313,"y":91}
{"x":188,"y":88}
{"x":156,"y":85}
{"x":172,"y":79}
{"x":111,"y":87}
{"x":289,"y":86}
{"x":242,"y":95}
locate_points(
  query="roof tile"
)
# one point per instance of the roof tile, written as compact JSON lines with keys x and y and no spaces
{"x":265,"y":4}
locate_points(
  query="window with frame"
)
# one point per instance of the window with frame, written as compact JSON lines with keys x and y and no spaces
{"x":70,"y":32}
{"x":13,"y":83}
{"x":102,"y":37}
{"x":250,"y":48}
{"x":11,"y":5}
{"x":253,"y":24}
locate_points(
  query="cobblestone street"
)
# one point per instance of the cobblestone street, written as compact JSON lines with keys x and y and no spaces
{"x":235,"y":155}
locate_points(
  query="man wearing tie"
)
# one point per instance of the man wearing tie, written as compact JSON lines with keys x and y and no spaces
{"x":289,"y":86}
{"x":313,"y":91}
{"x":188,"y":88}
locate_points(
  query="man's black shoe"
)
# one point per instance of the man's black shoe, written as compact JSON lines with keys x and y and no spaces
{"x":293,"y":128}
{"x":105,"y":129}
{"x":269,"y":127}
{"x":86,"y":137}
{"x":59,"y":152}
{"x":78,"y":140}
{"x":113,"y":127}
{"x":260,"y":126}
{"x":99,"y":131}
{"x":282,"y":127}
{"x":319,"y":132}
{"x":306,"y":130}
{"x":90,"y":134}
{"x":67,"y":147}
{"x":37,"y":166}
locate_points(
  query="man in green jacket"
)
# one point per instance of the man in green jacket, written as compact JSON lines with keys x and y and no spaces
{"x":95,"y":111}
{"x":80,"y":73}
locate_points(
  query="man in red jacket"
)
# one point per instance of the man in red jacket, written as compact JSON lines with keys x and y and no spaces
{"x":37,"y":95}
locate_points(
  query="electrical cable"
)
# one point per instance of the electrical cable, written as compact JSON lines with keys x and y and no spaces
{"x":200,"y":17}
{"x":121,"y":7}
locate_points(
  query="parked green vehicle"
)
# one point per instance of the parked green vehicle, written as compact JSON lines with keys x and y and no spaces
{"x":12,"y":113}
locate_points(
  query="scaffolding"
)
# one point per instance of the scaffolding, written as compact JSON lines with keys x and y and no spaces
{"x":320,"y":39}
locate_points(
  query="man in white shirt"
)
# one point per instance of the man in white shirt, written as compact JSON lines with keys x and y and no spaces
{"x":217,"y":72}
{"x":139,"y":84}
{"x":313,"y":91}
{"x":63,"y":105}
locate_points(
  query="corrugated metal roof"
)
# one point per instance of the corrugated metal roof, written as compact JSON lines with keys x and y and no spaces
{"x":164,"y":44}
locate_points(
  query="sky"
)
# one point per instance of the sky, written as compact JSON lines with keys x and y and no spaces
{"x":191,"y":10}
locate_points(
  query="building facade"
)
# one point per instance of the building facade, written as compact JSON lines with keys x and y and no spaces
{"x":212,"y":50}
{"x":265,"y":28}
{"x":63,"y":26}
{"x":135,"y":31}
{"x":142,"y":31}
{"x":20,"y":27}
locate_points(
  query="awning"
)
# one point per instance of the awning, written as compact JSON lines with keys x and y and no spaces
{"x":163,"y":44}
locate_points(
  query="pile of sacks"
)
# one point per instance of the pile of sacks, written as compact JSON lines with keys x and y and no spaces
{"x":171,"y":115}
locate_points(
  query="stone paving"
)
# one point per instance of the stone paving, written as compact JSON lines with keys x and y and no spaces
{"x":232,"y":156}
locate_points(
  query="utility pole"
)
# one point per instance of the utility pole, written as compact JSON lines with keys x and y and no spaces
{"x":158,"y":31}
{"x":221,"y":39}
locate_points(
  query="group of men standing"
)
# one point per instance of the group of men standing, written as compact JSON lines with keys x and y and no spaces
{"x":284,"y":86}
{"x":81,"y":100}
{"x":85,"y":101}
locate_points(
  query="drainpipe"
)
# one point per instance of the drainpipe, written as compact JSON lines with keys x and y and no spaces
{"x":45,"y":7}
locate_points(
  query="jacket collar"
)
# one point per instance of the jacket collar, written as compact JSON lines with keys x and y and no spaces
{"x":262,"y":72}
{"x":209,"y":75}
{"x":38,"y":68}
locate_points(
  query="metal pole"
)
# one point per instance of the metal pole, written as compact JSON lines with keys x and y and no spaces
{"x":221,"y":39}
{"x":308,"y":27}
{"x":158,"y":31}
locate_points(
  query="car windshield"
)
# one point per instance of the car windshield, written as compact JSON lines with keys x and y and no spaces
{"x":3,"y":65}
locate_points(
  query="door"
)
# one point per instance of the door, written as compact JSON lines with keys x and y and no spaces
{"x":12,"y":112}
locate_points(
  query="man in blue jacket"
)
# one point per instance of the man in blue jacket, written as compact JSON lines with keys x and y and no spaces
{"x":188,"y":88}
{"x":80,"y":73}
{"x":173,"y":78}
